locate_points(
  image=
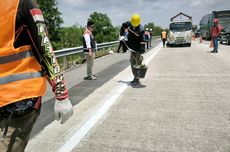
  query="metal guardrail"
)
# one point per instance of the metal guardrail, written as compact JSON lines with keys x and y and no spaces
{"x":63,"y":53}
{"x":78,"y":50}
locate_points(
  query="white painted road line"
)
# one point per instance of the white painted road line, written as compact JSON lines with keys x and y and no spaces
{"x":73,"y":141}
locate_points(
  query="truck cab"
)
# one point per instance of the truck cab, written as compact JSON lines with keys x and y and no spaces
{"x":180,"y":31}
{"x":224,"y":21}
{"x":225,"y":35}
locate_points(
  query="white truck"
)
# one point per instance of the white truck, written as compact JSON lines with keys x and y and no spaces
{"x":180,"y":31}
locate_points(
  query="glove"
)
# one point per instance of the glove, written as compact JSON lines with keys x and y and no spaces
{"x":121,"y":38}
{"x":63,"y":109}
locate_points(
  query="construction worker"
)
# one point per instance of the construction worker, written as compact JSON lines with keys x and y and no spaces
{"x":123,"y":37}
{"x":151,"y":36}
{"x":136,"y":43}
{"x":147,"y":37}
{"x":89,"y":49}
{"x":164,"y":37}
{"x":26,"y":61}
{"x":215,"y":30}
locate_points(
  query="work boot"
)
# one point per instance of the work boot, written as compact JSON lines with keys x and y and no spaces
{"x":135,"y":81}
{"x":94,"y":77}
{"x":214,"y":51}
{"x":91,"y":77}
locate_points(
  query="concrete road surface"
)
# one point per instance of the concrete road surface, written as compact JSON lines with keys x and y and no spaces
{"x":182,"y":105}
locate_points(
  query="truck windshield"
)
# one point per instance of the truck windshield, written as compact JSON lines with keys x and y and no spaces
{"x":181,"y":26}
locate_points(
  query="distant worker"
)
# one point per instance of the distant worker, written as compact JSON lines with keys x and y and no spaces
{"x":215,"y":30}
{"x":147,"y":37}
{"x":26,"y":61}
{"x":164,"y":37}
{"x":89,"y":49}
{"x":151,"y":37}
{"x":123,"y":37}
{"x":136,"y":43}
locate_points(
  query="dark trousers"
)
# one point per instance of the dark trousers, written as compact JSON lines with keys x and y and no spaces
{"x":147,"y":44}
{"x":163,"y":41}
{"x":215,"y":43}
{"x":19,"y":129}
{"x":150,"y":42}
{"x":123,"y":45}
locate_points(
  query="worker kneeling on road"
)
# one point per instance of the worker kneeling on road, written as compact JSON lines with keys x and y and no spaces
{"x":136,"y":43}
{"x":26,"y":60}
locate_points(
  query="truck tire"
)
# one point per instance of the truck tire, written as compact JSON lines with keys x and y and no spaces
{"x":221,"y":41}
{"x":168,"y":45}
{"x":228,"y":40}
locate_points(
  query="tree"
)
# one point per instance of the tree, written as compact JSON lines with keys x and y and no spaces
{"x":52,"y":17}
{"x":104,"y":31}
{"x":150,"y":26}
{"x":156,"y":30}
{"x":70,"y":36}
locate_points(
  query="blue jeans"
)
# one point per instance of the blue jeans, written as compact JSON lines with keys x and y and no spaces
{"x":215,"y":43}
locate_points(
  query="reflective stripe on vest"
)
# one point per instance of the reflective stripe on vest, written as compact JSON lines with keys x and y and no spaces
{"x":18,"y":77}
{"x":15,"y":57}
{"x":20,"y":72}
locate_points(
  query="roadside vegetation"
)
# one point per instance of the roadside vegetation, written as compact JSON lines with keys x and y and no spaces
{"x":67,"y":37}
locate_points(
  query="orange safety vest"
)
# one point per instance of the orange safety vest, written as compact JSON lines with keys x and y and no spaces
{"x":163,"y":35}
{"x":20,"y":72}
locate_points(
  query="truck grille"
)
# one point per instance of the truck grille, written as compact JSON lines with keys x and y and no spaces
{"x":180,"y":40}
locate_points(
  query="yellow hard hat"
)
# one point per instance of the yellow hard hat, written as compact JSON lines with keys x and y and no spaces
{"x":135,"y":20}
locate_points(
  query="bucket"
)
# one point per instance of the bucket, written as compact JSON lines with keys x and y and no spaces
{"x":141,"y":71}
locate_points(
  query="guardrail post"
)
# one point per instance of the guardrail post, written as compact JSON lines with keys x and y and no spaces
{"x":110,"y":49}
{"x":65,"y":64}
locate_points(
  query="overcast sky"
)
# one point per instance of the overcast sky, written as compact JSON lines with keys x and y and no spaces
{"x":157,"y":11}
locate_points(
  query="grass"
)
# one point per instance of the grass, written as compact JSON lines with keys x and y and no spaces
{"x":75,"y":59}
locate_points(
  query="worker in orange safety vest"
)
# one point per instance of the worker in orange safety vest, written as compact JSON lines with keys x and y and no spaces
{"x":164,"y":37}
{"x":26,"y":61}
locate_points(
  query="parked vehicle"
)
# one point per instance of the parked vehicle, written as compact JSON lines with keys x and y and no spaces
{"x":224,"y":21}
{"x":180,"y":31}
{"x":225,"y":35}
{"x":207,"y":22}
{"x":205,"y":26}
{"x":197,"y":33}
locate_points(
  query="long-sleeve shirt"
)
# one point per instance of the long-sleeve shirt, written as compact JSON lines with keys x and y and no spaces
{"x":31,"y":30}
{"x":136,"y":37}
{"x":216,"y":31}
{"x":88,"y":41}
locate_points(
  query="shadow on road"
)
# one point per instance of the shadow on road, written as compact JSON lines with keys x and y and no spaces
{"x":134,"y":86}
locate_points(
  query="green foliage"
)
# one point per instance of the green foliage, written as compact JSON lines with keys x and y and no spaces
{"x":52,"y":17}
{"x":150,"y":25}
{"x":156,"y":30}
{"x":104,"y":31}
{"x":71,"y":36}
